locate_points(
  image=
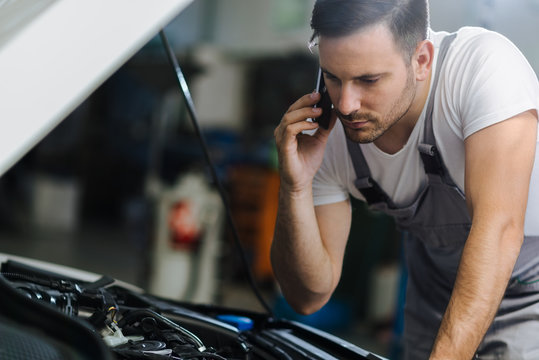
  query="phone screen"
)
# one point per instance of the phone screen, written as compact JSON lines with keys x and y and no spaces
{"x":324,"y":103}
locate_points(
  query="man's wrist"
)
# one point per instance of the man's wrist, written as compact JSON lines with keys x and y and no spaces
{"x":296,"y":192}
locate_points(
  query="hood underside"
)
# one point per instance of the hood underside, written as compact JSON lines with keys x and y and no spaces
{"x":55,"y":53}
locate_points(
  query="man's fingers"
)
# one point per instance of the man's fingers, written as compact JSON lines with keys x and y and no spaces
{"x":295,"y":121}
{"x":300,"y":115}
{"x":332,"y":121}
{"x":290,"y":131}
{"x":305,"y":101}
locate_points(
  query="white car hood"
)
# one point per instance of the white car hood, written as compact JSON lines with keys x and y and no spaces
{"x":55,"y":53}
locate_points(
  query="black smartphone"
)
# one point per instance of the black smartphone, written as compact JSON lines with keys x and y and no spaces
{"x":324,"y":103}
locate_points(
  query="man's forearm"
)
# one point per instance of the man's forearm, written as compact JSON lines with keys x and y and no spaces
{"x":484,"y":271}
{"x":300,"y":261}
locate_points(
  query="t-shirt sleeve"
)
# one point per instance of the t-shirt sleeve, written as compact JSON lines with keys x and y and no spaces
{"x":329,"y":182}
{"x":325,"y":189}
{"x":490,"y":81}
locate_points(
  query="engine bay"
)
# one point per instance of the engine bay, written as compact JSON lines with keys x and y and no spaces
{"x":129,"y":324}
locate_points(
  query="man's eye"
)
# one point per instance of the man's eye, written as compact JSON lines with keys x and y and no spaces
{"x":330,"y":77}
{"x":370,"y":80}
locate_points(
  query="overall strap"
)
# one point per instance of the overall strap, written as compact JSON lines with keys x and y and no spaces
{"x":371,"y":191}
{"x":429,"y":153}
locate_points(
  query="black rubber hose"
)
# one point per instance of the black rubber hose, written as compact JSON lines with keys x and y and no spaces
{"x":191,"y":108}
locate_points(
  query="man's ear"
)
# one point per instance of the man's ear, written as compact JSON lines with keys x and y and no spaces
{"x":422,"y":59}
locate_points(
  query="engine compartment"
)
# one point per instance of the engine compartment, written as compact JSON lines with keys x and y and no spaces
{"x":103,"y":319}
{"x":130,"y":325}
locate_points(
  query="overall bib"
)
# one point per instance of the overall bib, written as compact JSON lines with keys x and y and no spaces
{"x":437,"y":223}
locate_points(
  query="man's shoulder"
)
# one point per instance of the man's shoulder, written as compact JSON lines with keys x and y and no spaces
{"x":474,"y":93}
{"x":469,"y":37}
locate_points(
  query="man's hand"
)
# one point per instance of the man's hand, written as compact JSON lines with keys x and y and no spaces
{"x":308,"y":244}
{"x":300,"y":155}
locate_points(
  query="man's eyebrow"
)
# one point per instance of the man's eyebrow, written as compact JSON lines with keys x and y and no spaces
{"x":359,"y":77}
{"x":327,"y":72}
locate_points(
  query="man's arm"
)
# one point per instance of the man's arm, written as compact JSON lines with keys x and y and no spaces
{"x":308,"y":249}
{"x":308,"y":244}
{"x":499,"y":161}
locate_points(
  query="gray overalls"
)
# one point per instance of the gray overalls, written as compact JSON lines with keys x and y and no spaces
{"x":438,"y":223}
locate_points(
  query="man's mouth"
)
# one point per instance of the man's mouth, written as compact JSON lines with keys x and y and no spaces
{"x":356,"y":119}
{"x":355,"y":124}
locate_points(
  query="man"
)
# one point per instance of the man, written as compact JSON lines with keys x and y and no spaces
{"x":438,"y":130}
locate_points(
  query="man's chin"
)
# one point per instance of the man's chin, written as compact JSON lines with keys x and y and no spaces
{"x":359,"y":136}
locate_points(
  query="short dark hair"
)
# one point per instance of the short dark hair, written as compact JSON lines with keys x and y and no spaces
{"x":408,"y":20}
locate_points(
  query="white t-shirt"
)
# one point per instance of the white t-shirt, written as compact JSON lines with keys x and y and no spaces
{"x":484,"y":80}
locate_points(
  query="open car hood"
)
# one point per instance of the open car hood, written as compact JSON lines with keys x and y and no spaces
{"x":55,"y":53}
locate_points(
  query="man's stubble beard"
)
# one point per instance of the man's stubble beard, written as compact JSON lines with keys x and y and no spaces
{"x":377,"y":127}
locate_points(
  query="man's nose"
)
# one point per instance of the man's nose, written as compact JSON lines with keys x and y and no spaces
{"x":349,"y":100}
